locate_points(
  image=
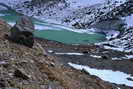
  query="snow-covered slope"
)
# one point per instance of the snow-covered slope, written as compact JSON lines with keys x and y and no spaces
{"x":67,"y":13}
{"x":125,"y":41}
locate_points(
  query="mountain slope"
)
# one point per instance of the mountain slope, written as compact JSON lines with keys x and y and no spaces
{"x":33,"y":68}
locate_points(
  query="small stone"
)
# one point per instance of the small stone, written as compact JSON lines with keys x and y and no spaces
{"x":85,"y":52}
{"x":18,"y":73}
{"x":104,"y":57}
{"x":130,"y":79}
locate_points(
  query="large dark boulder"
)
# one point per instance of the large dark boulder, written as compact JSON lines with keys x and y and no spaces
{"x":22,"y":32}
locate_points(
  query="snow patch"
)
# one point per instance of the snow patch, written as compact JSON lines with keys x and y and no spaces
{"x":107,"y":75}
{"x":41,"y":27}
{"x":95,"y":56}
{"x":129,"y":21}
{"x":2,"y":62}
{"x":129,"y":56}
{"x":125,"y":57}
{"x":82,"y":3}
{"x":112,"y":34}
{"x":116,"y":58}
{"x":118,"y":88}
{"x":78,"y":54}
{"x":113,"y":48}
{"x":50,"y":51}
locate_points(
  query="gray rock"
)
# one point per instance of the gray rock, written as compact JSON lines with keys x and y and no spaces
{"x":22,"y":32}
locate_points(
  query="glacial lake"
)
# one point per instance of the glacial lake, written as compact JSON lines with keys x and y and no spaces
{"x":56,"y":32}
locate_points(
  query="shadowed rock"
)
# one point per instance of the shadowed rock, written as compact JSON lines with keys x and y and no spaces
{"x":20,"y":74}
{"x":22,"y":32}
{"x":2,"y":83}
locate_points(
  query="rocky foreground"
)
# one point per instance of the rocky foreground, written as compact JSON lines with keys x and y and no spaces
{"x":35,"y":68}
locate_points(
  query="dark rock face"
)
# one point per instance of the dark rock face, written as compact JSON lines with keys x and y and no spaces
{"x":22,"y":32}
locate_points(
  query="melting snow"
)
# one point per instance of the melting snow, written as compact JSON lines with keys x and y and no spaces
{"x":107,"y":75}
{"x":113,"y":48}
{"x":95,"y":56}
{"x":79,"y":54}
{"x":50,"y":51}
{"x":125,"y":57}
{"x":115,"y":58}
{"x":129,"y":56}
{"x":118,"y":88}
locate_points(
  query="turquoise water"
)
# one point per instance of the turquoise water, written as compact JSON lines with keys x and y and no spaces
{"x":55,"y":31}
{"x":69,"y":37}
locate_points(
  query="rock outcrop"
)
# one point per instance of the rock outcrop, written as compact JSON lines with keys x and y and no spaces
{"x":22,"y":32}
